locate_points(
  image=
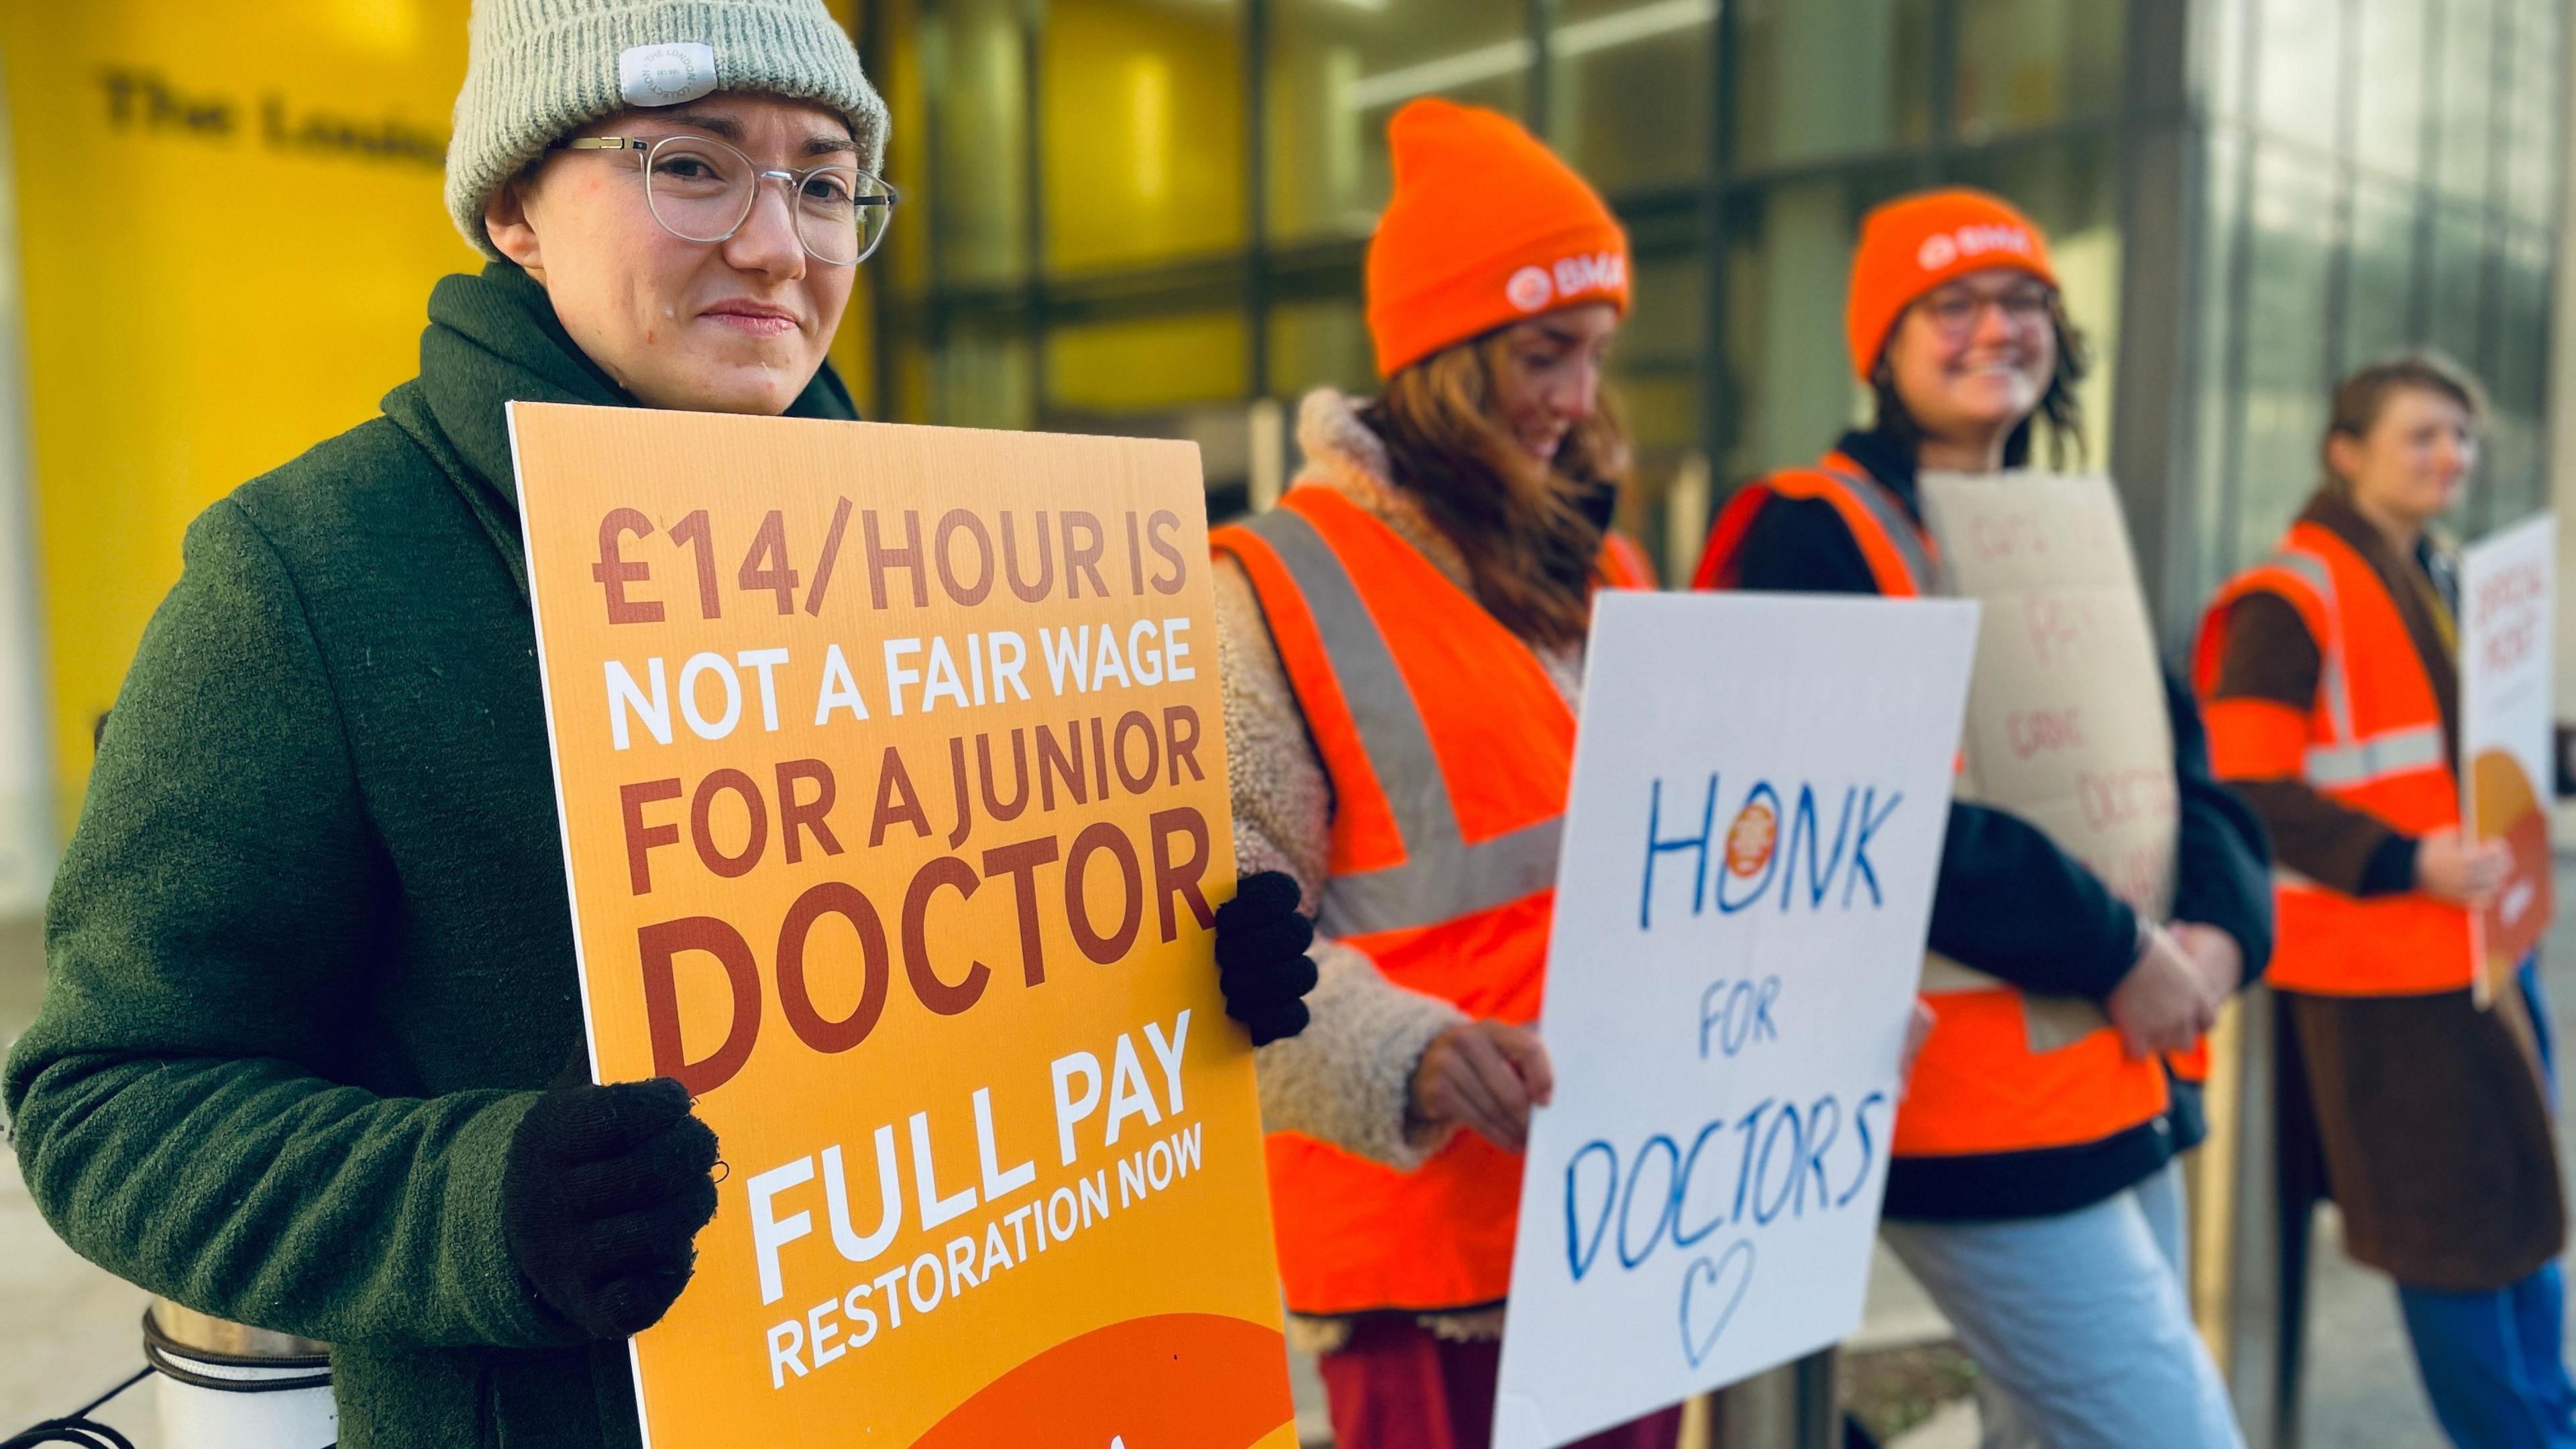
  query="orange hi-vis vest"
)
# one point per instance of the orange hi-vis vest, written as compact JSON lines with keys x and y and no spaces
{"x":1996,"y":1074}
{"x":1900,"y":555}
{"x":2372,"y":740}
{"x":1450,"y":751}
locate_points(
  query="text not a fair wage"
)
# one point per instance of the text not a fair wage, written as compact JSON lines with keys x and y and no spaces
{"x":712,"y":694}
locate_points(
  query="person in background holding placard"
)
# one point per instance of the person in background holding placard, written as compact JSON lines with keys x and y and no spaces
{"x":311,"y":1053}
{"x":2033,"y":1191}
{"x":1402,"y":645}
{"x":2332,"y":686}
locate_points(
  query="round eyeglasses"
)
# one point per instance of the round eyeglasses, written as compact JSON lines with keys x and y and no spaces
{"x":702,"y":190}
{"x":1956,"y":310}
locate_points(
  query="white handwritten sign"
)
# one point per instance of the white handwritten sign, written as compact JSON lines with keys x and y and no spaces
{"x":2507,"y":585}
{"x":1761,"y":787}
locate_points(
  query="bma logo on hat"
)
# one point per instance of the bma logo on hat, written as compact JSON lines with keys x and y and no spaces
{"x":665,"y":75}
{"x":1599,"y":272}
{"x":1533,"y":288}
{"x":1943,"y":248}
{"x":1529,"y":289}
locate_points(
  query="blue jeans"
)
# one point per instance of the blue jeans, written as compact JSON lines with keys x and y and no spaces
{"x":2078,"y":1323}
{"x":2494,"y":1364}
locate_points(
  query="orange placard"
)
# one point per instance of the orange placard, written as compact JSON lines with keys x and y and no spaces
{"x":893,"y":784}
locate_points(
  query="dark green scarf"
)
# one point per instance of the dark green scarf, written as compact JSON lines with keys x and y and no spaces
{"x":494,"y":339}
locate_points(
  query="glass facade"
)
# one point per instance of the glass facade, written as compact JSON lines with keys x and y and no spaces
{"x":1148,"y":215}
{"x":2405,"y":195}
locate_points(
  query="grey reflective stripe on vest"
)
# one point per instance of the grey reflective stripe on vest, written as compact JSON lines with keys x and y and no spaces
{"x":2331,"y":679}
{"x":1899,"y":527}
{"x":2417,"y":747}
{"x":2354,"y":760}
{"x":1443,"y":877}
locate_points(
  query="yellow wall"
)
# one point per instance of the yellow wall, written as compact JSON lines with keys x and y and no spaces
{"x":1143,"y":131}
{"x":1143,"y":138}
{"x":208,"y":293}
{"x":1158,"y":362}
{"x":230,"y":219}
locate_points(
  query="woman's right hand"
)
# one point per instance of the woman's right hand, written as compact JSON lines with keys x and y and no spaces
{"x":602,"y":1197}
{"x":2460,"y":872}
{"x":1483,"y":1076}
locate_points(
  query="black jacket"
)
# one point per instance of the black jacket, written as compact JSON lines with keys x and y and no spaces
{"x":2009,"y":903}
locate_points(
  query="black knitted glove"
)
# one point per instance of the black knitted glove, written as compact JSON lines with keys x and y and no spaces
{"x":1261,"y":962}
{"x":604,"y":1191}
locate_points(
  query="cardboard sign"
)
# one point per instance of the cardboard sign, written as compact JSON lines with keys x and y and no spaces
{"x":894,"y":804}
{"x":2067,"y":725}
{"x":1761,"y":788}
{"x":2508,"y":586}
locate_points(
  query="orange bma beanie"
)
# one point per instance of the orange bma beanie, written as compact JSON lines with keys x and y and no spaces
{"x":1916,"y":243}
{"x":1486,"y":227}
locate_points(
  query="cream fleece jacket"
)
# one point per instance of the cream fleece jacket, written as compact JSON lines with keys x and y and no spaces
{"x":1347,"y":1078}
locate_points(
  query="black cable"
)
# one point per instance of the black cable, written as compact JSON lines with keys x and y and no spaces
{"x":138,"y":1376}
{"x":77,"y":1428}
{"x":82,"y":1433}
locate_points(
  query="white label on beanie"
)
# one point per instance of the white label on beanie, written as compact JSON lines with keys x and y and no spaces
{"x":1942,"y":248}
{"x":665,"y":75}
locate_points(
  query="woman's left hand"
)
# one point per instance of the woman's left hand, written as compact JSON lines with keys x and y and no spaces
{"x":1261,"y":961}
{"x":1484,"y":1076}
{"x":2220,"y":959}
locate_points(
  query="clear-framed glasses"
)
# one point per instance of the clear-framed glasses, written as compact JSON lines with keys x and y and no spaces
{"x":1956,"y":310}
{"x":702,"y":190}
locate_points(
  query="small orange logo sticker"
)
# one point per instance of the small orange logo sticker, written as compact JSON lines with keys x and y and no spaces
{"x":1750,"y":840}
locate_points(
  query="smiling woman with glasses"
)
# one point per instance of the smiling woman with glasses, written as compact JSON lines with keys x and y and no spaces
{"x":674,"y":263}
{"x":2033,"y":1186}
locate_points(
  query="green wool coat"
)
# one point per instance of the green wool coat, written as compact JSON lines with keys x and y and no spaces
{"x":310,"y":951}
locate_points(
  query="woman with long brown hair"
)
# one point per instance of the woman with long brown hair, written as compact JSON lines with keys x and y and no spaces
{"x":1401,"y":643}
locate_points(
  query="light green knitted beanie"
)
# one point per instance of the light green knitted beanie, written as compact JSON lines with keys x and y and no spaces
{"x":537,"y":70}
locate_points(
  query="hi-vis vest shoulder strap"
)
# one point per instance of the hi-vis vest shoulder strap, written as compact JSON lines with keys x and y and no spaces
{"x":1900,"y":557}
{"x":2371,"y":739}
{"x":1401,"y":858}
{"x":1449,"y":750}
{"x":1624,"y":565}
{"x":2001,"y":1071}
{"x":2343,"y":754}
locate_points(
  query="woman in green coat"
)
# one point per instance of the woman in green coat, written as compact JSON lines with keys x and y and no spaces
{"x":311,"y":1053}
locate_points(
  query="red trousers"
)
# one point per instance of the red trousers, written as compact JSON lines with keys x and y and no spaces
{"x":1397,"y":1385}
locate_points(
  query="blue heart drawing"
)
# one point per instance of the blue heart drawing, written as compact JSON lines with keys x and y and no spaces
{"x":1705,"y":1313}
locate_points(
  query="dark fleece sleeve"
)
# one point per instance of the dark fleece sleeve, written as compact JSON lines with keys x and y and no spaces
{"x":1800,"y":546}
{"x":2270,"y":657}
{"x":2223,"y":877}
{"x":2008,"y":902}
